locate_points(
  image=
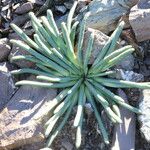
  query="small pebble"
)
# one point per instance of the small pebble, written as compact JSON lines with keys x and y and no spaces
{"x":61,"y":9}
{"x":67,"y":145}
{"x":26,"y":7}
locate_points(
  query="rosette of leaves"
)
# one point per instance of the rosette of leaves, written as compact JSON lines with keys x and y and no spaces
{"x":61,"y":64}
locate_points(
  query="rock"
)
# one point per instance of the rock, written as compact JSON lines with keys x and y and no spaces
{"x":106,"y":13}
{"x":19,"y":20}
{"x":60,"y":20}
{"x":82,"y":4}
{"x":4,"y":49}
{"x":139,"y":19}
{"x":14,"y":7}
{"x":5,"y":2}
{"x":144,"y":118}
{"x":28,"y":25}
{"x":99,"y":41}
{"x":144,"y":70}
{"x":147,"y":61}
{"x":124,"y":134}
{"x":14,"y":36}
{"x":68,"y":4}
{"x":88,"y":109}
{"x":7,"y":87}
{"x":127,"y":63}
{"x":20,"y":121}
{"x":59,"y":2}
{"x":34,"y":146}
{"x":48,"y":4}
{"x":129,"y":75}
{"x":61,"y":9}
{"x":67,"y":145}
{"x":26,"y":7}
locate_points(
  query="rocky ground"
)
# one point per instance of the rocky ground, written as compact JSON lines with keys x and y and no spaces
{"x":18,"y":128}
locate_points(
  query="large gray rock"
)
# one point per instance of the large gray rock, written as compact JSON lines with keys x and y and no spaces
{"x":127,"y":63}
{"x":19,"y":20}
{"x":26,"y":7}
{"x":139,"y":18}
{"x":145,"y":117}
{"x":20,"y":121}
{"x":106,"y":13}
{"x":128,"y":75}
{"x":99,"y":41}
{"x":124,"y":133}
{"x":7,"y":87}
{"x":4,"y":49}
{"x":34,"y":146}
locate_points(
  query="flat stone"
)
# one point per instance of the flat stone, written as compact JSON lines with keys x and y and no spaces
{"x":59,"y":2}
{"x":99,"y":41}
{"x":144,"y":118}
{"x":104,"y":14}
{"x":129,"y":76}
{"x":20,"y":121}
{"x":26,"y":7}
{"x":139,"y":18}
{"x":61,"y":9}
{"x":34,"y":146}
{"x":147,"y":61}
{"x":124,"y":133}
{"x":60,"y":20}
{"x":66,"y":144}
{"x":126,"y":63}
{"x":7,"y":87}
{"x":4,"y":49}
{"x":19,"y":20}
{"x":68,"y":4}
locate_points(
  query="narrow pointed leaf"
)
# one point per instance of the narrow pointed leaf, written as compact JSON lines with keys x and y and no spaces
{"x":122,"y":84}
{"x":70,"y":16}
{"x":81,"y":102}
{"x":70,"y":50}
{"x":104,"y":103}
{"x":52,"y":21}
{"x":24,"y":36}
{"x":97,"y":115}
{"x":88,"y":52}
{"x":56,"y":79}
{"x":73,"y":33}
{"x":46,"y":85}
{"x":55,"y":133}
{"x":40,"y":57}
{"x":110,"y":44}
{"x":117,"y":98}
{"x":32,"y":71}
{"x":81,"y":37}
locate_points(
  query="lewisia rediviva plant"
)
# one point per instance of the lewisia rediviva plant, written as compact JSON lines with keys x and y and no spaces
{"x":61,"y":65}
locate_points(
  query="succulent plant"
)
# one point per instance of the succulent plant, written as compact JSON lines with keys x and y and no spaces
{"x":61,"y":64}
